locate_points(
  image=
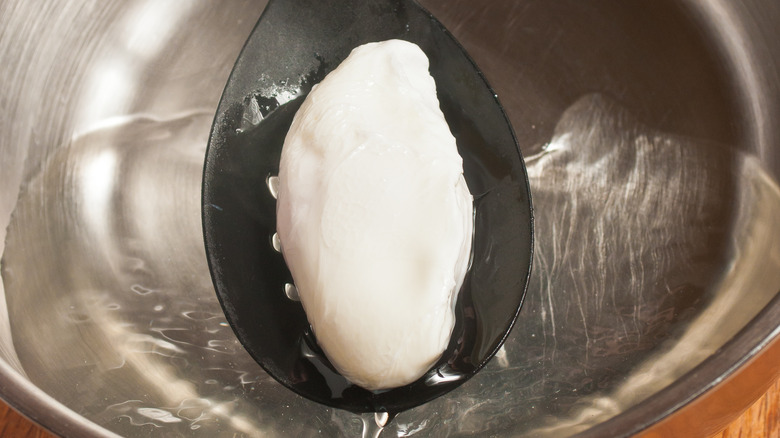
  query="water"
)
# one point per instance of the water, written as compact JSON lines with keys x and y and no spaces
{"x":273,"y":185}
{"x":291,"y":292}
{"x":645,"y":242}
{"x":373,"y":424}
{"x":276,"y":244}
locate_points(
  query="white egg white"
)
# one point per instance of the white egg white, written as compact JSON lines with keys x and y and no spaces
{"x":374,"y":215}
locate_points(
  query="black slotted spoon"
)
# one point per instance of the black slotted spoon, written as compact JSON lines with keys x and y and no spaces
{"x":293,"y":46}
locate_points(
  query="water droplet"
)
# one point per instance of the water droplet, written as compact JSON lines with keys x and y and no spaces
{"x":158,"y":308}
{"x":273,"y":185}
{"x":373,"y":424}
{"x":79,"y":317}
{"x":381,"y":418}
{"x":141,"y":290}
{"x":291,"y":291}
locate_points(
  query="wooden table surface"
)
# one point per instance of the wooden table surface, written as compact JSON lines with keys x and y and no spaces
{"x":761,"y":420}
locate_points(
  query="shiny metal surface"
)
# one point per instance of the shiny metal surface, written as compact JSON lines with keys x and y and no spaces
{"x":648,"y":133}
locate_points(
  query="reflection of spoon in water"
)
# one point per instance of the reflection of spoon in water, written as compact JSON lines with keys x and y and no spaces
{"x":295,"y":43}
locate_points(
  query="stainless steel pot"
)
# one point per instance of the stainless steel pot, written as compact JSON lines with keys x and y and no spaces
{"x":650,"y":134}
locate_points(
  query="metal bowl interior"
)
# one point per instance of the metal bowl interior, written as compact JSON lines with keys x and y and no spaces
{"x":653,"y":165}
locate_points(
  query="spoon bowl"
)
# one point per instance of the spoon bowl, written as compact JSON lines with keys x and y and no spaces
{"x":293,"y":46}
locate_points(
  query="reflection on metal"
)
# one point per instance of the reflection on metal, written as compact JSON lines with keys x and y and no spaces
{"x":653,"y":248}
{"x":677,"y":217}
